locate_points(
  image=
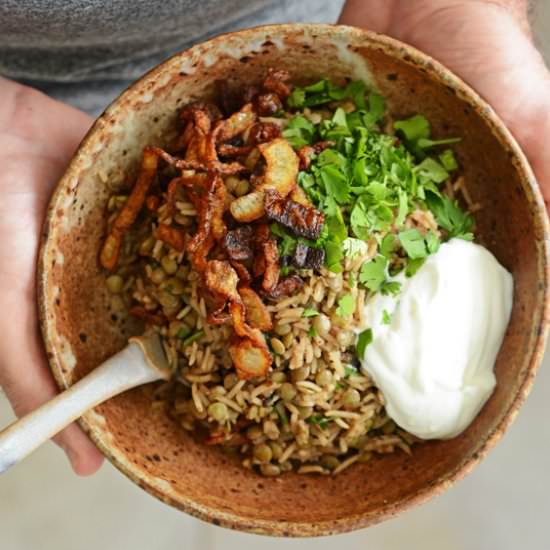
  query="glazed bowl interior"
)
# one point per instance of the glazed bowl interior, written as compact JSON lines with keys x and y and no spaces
{"x":82,"y":326}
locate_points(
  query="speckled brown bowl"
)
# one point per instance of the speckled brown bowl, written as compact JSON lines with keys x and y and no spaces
{"x":80,"y":330}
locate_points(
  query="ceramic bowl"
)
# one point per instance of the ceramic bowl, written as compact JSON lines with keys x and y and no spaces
{"x":81,"y":326}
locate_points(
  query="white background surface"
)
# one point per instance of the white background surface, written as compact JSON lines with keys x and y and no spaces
{"x":503,"y":505}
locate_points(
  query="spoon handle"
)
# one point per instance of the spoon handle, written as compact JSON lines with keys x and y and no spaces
{"x":123,"y":371}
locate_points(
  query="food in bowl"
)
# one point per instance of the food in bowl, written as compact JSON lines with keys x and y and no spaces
{"x":258,"y":241}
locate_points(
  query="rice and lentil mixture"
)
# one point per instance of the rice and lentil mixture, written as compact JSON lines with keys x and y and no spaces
{"x":348,"y":199}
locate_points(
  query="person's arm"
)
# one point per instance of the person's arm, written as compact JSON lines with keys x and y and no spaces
{"x":486,"y":42}
{"x":37,"y":139}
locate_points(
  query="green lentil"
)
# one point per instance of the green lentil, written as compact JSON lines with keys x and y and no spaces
{"x":287,"y":392}
{"x":278,"y":377}
{"x":330,"y":462}
{"x":305,"y":412}
{"x":218,"y":411}
{"x":146,"y":246}
{"x":115,"y":284}
{"x":241,"y":188}
{"x":230,"y":380}
{"x":262,"y":453}
{"x":323,"y":377}
{"x":300,"y":374}
{"x":174,"y":286}
{"x":270,"y":469}
{"x":365,"y":457}
{"x":254,"y":432}
{"x":351,"y":398}
{"x":158,"y":275}
{"x":169,"y":264}
{"x":276,"y":450}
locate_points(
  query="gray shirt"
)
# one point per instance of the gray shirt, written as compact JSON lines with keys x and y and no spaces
{"x":85,"y":51}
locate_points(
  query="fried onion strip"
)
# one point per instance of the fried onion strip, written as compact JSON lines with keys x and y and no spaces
{"x":129,"y":212}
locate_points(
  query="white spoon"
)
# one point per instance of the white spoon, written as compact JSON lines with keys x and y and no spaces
{"x":140,"y":362}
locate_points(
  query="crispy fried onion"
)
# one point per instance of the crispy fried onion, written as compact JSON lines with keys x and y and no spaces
{"x":172,"y":236}
{"x":286,"y":287}
{"x":111,"y":247}
{"x":236,"y":124}
{"x":307,"y":152}
{"x":275,"y":81}
{"x":211,"y":227}
{"x":238,"y":243}
{"x":249,"y":350}
{"x":262,"y":132}
{"x":227,"y":168}
{"x":140,"y":312}
{"x":257,"y":314}
{"x":280,"y":174}
{"x":266,"y":260}
{"x":304,"y":221}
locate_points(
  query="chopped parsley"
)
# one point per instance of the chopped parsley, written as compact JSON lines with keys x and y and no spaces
{"x":368,"y":183}
{"x":319,"y":420}
{"x":450,"y":216}
{"x":310,"y":312}
{"x":417,"y":245}
{"x":349,"y":370}
{"x":373,"y":273}
{"x":193,"y":337}
{"x":386,"y":318}
{"x":365,"y":338}
{"x":346,"y":306}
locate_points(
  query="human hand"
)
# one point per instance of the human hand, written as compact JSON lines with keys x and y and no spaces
{"x":37,"y":139}
{"x":488,"y":44}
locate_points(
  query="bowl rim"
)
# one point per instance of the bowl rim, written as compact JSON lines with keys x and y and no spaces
{"x":444,"y":77}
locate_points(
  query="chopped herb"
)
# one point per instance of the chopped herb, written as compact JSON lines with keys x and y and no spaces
{"x":432,"y":170}
{"x":450,"y":216}
{"x":365,"y":338}
{"x":312,"y":333}
{"x":351,"y":279}
{"x":373,"y":273}
{"x":183,"y":333}
{"x":413,"y":128}
{"x":319,"y":420}
{"x":310,"y":312}
{"x":388,"y":245}
{"x":448,"y":160}
{"x":279,"y":409}
{"x":417,"y":245}
{"x":352,"y":247}
{"x":390,"y":287}
{"x":285,"y":270}
{"x":413,"y":266}
{"x":300,"y":132}
{"x":193,"y":338}
{"x":368,"y":183}
{"x":349,"y":370}
{"x":426,"y":143}
{"x":386,"y":318}
{"x":346,"y":306}
{"x":333,"y":257}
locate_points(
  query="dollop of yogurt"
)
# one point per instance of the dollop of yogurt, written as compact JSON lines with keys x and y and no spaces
{"x":435,"y":344}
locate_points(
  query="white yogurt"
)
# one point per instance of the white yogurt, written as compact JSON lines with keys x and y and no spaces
{"x":434,"y":360}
